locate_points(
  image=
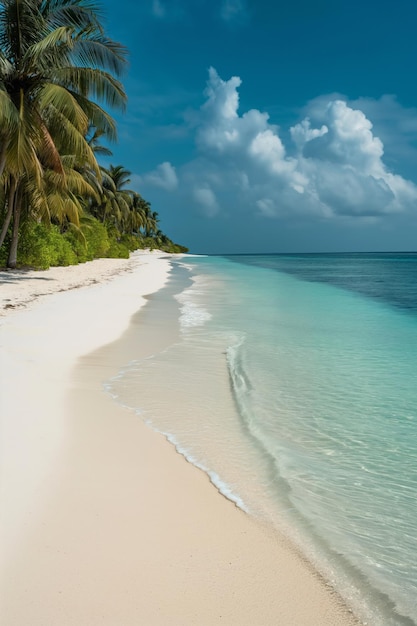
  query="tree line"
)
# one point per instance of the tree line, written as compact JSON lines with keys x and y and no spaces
{"x":59,"y":73}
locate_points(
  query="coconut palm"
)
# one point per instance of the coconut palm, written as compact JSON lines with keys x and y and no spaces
{"x":93,"y":138}
{"x":55,"y":65}
{"x":116,"y":201}
{"x":151,"y":221}
{"x":137,"y":214}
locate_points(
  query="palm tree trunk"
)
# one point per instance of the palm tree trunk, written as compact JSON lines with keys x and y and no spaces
{"x":17,"y":210}
{"x":3,"y":152}
{"x":9,"y":214}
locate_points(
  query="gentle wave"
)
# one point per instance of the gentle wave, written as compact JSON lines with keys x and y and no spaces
{"x":223,"y":488}
{"x":192,"y":314}
{"x":314,"y":496}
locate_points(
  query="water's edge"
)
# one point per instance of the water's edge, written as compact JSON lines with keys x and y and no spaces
{"x":343,"y":577}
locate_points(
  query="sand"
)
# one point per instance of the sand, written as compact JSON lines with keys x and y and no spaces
{"x":102,"y":521}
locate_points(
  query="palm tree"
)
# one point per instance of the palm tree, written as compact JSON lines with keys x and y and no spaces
{"x":137,"y":214}
{"x":150,"y":219}
{"x":55,"y":65}
{"x":116,"y":202}
{"x":93,"y":138}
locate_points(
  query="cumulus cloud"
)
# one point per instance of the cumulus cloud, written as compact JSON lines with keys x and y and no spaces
{"x":163,"y":176}
{"x":334,"y":165}
{"x":395,"y":125}
{"x":345,"y":138}
{"x":331,"y":166}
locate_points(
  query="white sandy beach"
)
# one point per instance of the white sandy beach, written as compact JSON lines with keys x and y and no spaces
{"x":102,"y":522}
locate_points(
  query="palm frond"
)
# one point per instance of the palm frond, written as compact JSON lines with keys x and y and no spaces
{"x":5,"y":66}
{"x":68,"y":160}
{"x":107,"y":181}
{"x":71,"y":141}
{"x":34,"y":198}
{"x":93,"y":83}
{"x":100,"y":53}
{"x":93,"y":138}
{"x":47,"y":150}
{"x":22,"y":158}
{"x":64,"y":206}
{"x":9,"y":115}
{"x":98,"y":117}
{"x":76,"y":13}
{"x":78,"y":184}
{"x":54,"y":48}
{"x":60,"y":99}
{"x":23,"y":26}
{"x":120,"y":175}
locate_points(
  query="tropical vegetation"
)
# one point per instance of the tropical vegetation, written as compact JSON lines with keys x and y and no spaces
{"x":59,"y":72}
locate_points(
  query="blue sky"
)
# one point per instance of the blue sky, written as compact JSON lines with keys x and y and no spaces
{"x":255,"y":126}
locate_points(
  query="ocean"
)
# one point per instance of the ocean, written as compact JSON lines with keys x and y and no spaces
{"x":292,"y":381}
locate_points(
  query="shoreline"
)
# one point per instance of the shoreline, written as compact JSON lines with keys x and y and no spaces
{"x":114,"y":526}
{"x":21,"y":288}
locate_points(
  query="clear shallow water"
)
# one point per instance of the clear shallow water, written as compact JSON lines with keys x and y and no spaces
{"x":293,"y":384}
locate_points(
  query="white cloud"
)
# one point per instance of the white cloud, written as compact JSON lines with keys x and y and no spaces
{"x":333,"y":167}
{"x":302,"y":132}
{"x":396,"y":126}
{"x":345,"y":137}
{"x":218,"y":131}
{"x":163,"y":176}
{"x":267,"y":149}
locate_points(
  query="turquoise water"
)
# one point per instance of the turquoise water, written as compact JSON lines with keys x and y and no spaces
{"x":293,"y":384}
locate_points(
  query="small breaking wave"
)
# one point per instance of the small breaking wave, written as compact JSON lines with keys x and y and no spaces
{"x":192,"y":316}
{"x":223,"y":488}
{"x":191,"y":313}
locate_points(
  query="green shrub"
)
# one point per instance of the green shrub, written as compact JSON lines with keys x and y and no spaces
{"x":132,"y":242}
{"x":175,"y":248}
{"x":41,"y":246}
{"x":149,"y":242}
{"x":78,"y":243}
{"x":97,"y":239}
{"x":117,"y":250}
